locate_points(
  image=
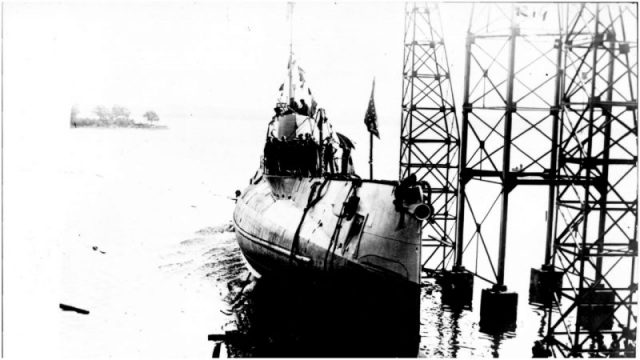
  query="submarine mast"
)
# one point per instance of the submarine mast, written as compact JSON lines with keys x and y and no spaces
{"x":289,"y":68}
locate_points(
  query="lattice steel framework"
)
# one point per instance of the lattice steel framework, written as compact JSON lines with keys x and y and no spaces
{"x":508,"y":117}
{"x":595,"y":242}
{"x":429,"y":128}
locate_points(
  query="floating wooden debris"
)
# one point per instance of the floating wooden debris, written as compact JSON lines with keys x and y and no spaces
{"x":73,"y":308}
{"x":95,"y":248}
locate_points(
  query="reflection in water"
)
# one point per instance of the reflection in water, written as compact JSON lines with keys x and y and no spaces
{"x":497,"y":333}
{"x":542,"y":348}
{"x":455,"y":331}
{"x":440,"y":330}
{"x":449,"y":330}
{"x":299,"y":318}
{"x":448,"y":322}
{"x":543,"y":319}
{"x":302,"y":319}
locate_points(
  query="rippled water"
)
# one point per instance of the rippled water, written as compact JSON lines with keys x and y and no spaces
{"x":259,"y":325}
{"x":170,"y":271}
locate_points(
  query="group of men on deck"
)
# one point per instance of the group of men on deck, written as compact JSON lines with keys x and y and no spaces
{"x":300,"y":155}
{"x":293,"y":107}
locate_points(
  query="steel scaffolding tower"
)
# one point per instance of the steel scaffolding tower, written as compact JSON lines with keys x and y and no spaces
{"x":561,"y":113}
{"x":429,"y":128}
{"x":595,"y":243}
{"x":508,"y":116}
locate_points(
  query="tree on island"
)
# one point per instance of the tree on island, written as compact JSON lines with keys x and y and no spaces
{"x":104,"y":114}
{"x":74,"y":113}
{"x":74,"y":116}
{"x":114,"y":116}
{"x":151,"y":116}
{"x":117,"y":115}
{"x":120,"y":113}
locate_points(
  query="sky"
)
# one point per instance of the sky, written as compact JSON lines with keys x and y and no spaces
{"x":220,"y":62}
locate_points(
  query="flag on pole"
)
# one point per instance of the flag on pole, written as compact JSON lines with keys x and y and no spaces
{"x":371,"y":118}
{"x":281,"y":87}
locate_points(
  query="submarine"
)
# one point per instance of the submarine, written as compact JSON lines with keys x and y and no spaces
{"x":338,"y":257}
{"x":307,"y":213}
{"x":308,"y":220}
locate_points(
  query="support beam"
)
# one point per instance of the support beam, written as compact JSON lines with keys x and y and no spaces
{"x":498,"y":308}
{"x":545,"y":283}
{"x":506,"y":142}
{"x":429,"y":130}
{"x":595,"y":241}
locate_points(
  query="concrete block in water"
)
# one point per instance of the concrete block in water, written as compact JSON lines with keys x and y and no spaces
{"x":498,"y":309}
{"x":544,"y":286}
{"x":595,"y":311}
{"x":457,"y":287}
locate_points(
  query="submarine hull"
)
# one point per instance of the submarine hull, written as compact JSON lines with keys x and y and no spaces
{"x":361,"y":256}
{"x":321,"y":227}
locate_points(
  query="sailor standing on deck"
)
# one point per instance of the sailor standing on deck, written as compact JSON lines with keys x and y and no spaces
{"x":298,"y":154}
{"x":268,"y":158}
{"x":293,"y":107}
{"x":346,"y":160}
{"x":304,"y":108}
{"x":272,"y":131}
{"x":328,"y":156}
{"x":312,"y":155}
{"x":276,"y":153}
{"x":269,"y":148}
{"x":283,"y":155}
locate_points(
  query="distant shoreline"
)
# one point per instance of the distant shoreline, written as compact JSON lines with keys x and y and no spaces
{"x":154,"y":127}
{"x":98,"y":125}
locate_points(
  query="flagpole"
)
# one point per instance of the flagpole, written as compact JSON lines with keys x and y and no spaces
{"x":370,"y":119}
{"x":321,"y":156}
{"x":370,"y":156}
{"x":290,"y":13}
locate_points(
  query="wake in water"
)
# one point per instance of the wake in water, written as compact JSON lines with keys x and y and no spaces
{"x":298,"y":317}
{"x":293,"y":317}
{"x":212,"y":253}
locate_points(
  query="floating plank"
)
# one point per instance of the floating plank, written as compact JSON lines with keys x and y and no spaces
{"x":73,"y":308}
